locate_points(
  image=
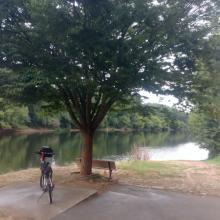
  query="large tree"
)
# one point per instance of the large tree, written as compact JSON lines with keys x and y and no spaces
{"x":85,"y":55}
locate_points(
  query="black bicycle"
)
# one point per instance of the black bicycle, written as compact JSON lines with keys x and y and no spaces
{"x":46,"y":180}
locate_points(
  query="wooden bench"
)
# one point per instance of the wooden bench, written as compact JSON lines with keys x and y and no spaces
{"x":101,"y":164}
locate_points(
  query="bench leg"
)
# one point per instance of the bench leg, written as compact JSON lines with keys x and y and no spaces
{"x":110,"y":170}
{"x":110,"y":174}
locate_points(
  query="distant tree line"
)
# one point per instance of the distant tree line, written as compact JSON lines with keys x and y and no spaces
{"x":150,"y":117}
{"x":156,"y":118}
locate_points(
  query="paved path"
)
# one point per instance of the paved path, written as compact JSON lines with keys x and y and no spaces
{"x":134,"y":203}
{"x":22,"y":200}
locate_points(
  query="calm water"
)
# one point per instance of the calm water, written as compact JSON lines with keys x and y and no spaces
{"x":17,"y":151}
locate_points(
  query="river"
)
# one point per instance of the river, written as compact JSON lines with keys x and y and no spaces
{"x":17,"y":150}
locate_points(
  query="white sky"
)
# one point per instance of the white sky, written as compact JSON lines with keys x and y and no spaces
{"x":159,"y":99}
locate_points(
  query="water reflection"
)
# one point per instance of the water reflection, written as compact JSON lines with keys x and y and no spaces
{"x":17,"y":151}
{"x":187,"y":151}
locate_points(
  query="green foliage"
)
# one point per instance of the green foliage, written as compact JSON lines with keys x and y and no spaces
{"x":65,"y":121}
{"x":19,"y":116}
{"x":206,"y":117}
{"x":207,"y":131}
{"x":149,"y":117}
{"x":159,"y":118}
{"x":132,"y":114}
{"x":76,"y":59}
{"x":12,"y":116}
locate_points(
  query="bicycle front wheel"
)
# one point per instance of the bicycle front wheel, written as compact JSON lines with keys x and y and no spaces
{"x":42,"y":182}
{"x":50,"y":189}
{"x":51,"y":195}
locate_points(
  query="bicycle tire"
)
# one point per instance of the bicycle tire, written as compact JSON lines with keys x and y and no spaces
{"x":42,"y":182}
{"x":50,"y":189}
{"x":50,"y":194}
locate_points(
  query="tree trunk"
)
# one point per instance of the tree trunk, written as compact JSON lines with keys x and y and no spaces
{"x":86,"y":154}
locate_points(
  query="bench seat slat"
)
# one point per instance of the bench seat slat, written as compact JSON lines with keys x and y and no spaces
{"x":103,"y":164}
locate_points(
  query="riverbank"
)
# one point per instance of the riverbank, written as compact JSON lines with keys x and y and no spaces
{"x":200,"y":178}
{"x":48,"y":130}
{"x":25,"y":131}
{"x":30,"y":131}
{"x":195,"y":177}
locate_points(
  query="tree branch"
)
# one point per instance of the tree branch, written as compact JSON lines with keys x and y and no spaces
{"x":68,"y":104}
{"x":102,"y":112}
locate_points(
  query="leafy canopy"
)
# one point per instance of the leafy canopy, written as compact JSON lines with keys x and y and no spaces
{"x":85,"y":55}
{"x":206,"y":95}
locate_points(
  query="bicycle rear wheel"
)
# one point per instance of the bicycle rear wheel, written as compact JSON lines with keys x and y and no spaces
{"x":50,"y":189}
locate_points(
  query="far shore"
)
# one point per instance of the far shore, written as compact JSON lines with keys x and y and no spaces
{"x":48,"y":130}
{"x":25,"y":131}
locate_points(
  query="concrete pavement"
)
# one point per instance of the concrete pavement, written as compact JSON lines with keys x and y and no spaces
{"x":24,"y":201}
{"x":134,"y":203}
{"x":121,"y":202}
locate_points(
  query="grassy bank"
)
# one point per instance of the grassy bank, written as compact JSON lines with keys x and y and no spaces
{"x":215,"y":160}
{"x":197,"y":177}
{"x":146,"y":168}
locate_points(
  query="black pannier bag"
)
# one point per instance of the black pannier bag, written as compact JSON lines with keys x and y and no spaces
{"x":47,"y":151}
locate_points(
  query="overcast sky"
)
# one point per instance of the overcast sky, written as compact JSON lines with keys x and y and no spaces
{"x":159,"y":99}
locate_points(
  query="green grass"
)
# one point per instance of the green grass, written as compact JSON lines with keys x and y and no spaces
{"x":215,"y":160}
{"x":145,"y":168}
